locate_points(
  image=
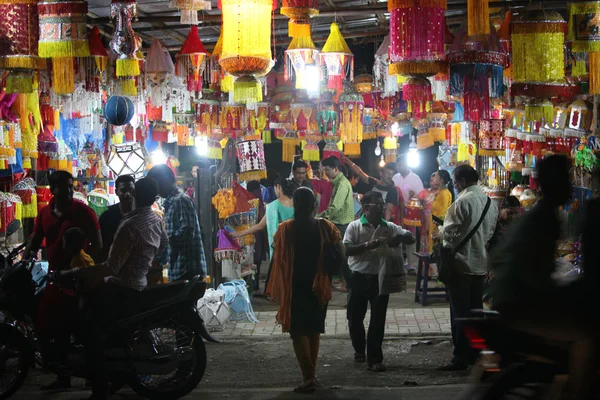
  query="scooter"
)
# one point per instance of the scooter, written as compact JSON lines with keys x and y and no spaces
{"x":157,"y":350}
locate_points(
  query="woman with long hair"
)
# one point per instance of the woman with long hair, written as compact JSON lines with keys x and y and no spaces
{"x":276,"y":212}
{"x":300,"y":281}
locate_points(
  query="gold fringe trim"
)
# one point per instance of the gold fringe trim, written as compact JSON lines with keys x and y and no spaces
{"x":594,"y":73}
{"x":428,"y":68}
{"x":19,"y":84}
{"x":128,"y":87}
{"x":369,"y":135}
{"x":19,"y":1}
{"x":578,"y":69}
{"x":352,"y":149}
{"x":227,"y":83}
{"x":71,"y":48}
{"x":526,"y":28}
{"x":22,"y":62}
{"x":438,"y":134}
{"x":214,"y":153}
{"x":298,"y":12}
{"x":128,"y":67}
{"x":63,"y":75}
{"x":393,"y":4}
{"x":311,"y":155}
{"x":253,"y":175}
{"x":266,"y":137}
{"x":247,"y":92}
{"x":580,"y":46}
{"x":592,"y":7}
{"x":410,"y":222}
{"x":492,"y":153}
{"x":296,"y":30}
{"x":478,"y":17}
{"x":289,"y":149}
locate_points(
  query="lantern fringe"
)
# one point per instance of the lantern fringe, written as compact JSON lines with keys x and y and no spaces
{"x":393,"y":4}
{"x":519,"y":28}
{"x":478,"y":16}
{"x":580,"y":46}
{"x":542,"y":112}
{"x":491,"y":153}
{"x":298,"y":12}
{"x":19,"y":84}
{"x":289,"y":149}
{"x":72,"y":48}
{"x":578,"y":9}
{"x":390,"y":143}
{"x":227,"y":83}
{"x":311,"y":155}
{"x":215,"y":152}
{"x":267,"y":137}
{"x":128,"y":87}
{"x":297,"y":30}
{"x":22,"y":62}
{"x":253,"y":175}
{"x":128,"y":67}
{"x":530,"y":52}
{"x":369,"y":135}
{"x":410,"y":222}
{"x":424,"y":140}
{"x":579,"y":68}
{"x":335,"y":42}
{"x":437,"y":134}
{"x":424,"y":68}
{"x":63,"y":75}
{"x":461,"y":72}
{"x":594,"y":72}
{"x":247,"y":91}
{"x":352,"y":149}
{"x":390,"y":158}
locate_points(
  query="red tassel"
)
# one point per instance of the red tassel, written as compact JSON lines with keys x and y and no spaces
{"x":335,"y":82}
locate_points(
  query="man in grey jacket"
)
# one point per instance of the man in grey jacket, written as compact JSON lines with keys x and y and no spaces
{"x":466,"y":284}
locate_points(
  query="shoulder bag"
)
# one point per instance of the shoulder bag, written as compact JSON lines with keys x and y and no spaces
{"x":446,"y":255}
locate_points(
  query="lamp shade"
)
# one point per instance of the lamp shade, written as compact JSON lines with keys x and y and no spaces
{"x":338,"y":58}
{"x":191,"y":60}
{"x":118,"y":110}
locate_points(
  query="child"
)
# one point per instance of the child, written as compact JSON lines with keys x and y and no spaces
{"x":73,"y":242}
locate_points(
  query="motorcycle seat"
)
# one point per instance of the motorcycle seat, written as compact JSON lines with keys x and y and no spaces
{"x":166,"y":293}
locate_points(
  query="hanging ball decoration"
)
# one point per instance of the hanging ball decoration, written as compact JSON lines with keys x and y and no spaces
{"x":118,"y":110}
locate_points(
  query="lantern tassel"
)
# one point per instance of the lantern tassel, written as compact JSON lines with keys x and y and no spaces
{"x":594,"y":73}
{"x":128,"y":67}
{"x":247,"y":90}
{"x":19,"y":83}
{"x":253,"y":175}
{"x":128,"y":87}
{"x":478,"y":12}
{"x":63,"y":75}
{"x":579,"y":68}
{"x":296,"y":29}
{"x":72,"y":48}
{"x":352,"y":149}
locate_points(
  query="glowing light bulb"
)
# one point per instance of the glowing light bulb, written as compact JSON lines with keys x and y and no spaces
{"x":311,"y":78}
{"x":201,"y":143}
{"x":412,"y":158}
{"x":378,"y":150}
{"x":382,"y":162}
{"x":395,"y":128}
{"x":158,"y":157}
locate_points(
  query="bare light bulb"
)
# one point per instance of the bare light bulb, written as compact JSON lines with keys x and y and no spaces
{"x":378,"y":149}
{"x":382,"y":162}
{"x":158,"y":157}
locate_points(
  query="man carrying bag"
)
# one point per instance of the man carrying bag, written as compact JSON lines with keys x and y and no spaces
{"x":468,"y":226}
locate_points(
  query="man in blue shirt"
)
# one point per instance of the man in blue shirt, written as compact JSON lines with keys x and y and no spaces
{"x":185,"y":253}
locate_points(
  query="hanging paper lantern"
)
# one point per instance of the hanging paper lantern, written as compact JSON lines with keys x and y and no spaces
{"x":338,"y":58}
{"x":299,"y":12}
{"x":251,"y":156}
{"x":584,"y":32}
{"x":351,"y":130}
{"x":19,"y":30}
{"x":258,"y":121}
{"x":417,"y":33}
{"x":538,"y":59}
{"x":233,"y":119}
{"x":189,"y":9}
{"x":125,"y":43}
{"x":219,"y":80}
{"x":417,"y":92}
{"x":157,"y":72}
{"x":382,"y":80}
{"x":95,"y":65}
{"x":247,"y":45}
{"x":491,"y":138}
{"x":477,"y":72}
{"x":63,"y":36}
{"x":191,"y":61}
{"x":118,"y":110}
{"x":300,"y":57}
{"x":207,"y":113}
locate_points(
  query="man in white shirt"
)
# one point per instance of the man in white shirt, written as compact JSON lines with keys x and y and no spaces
{"x":363,"y":239}
{"x":410,"y":185}
{"x":466,"y":284}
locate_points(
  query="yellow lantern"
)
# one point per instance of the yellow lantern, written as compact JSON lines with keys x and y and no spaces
{"x":584,"y":25}
{"x":246,"y":51}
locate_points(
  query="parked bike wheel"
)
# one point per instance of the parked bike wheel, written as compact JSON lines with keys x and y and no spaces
{"x":15,"y":358}
{"x":169,"y":339}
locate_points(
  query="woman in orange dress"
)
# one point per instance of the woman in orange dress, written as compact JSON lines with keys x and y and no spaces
{"x":300,"y":281}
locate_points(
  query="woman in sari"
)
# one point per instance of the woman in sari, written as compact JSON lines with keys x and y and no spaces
{"x":276,"y":212}
{"x":436,"y":200}
{"x":300,"y":282}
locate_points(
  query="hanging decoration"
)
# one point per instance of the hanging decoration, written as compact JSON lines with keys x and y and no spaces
{"x":584,"y":34}
{"x":118,"y":110}
{"x":382,"y":80}
{"x":125,"y":44}
{"x":417,"y":34}
{"x":189,"y":9}
{"x":417,"y":93}
{"x":491,"y":138}
{"x":477,"y":72}
{"x":538,"y":55}
{"x":478,"y":14}
{"x":351,"y":128}
{"x":191,"y":61}
{"x":158,"y":70}
{"x":299,"y":12}
{"x":19,"y":30}
{"x":300,"y":57}
{"x":95,"y":65}
{"x":328,"y":124}
{"x":338,"y":59}
{"x":63,"y":36}
{"x":258,"y":121}
{"x":246,"y":50}
{"x":233,"y":119}
{"x":251,"y":156}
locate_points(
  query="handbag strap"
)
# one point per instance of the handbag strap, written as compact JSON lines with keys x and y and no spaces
{"x":470,"y":235}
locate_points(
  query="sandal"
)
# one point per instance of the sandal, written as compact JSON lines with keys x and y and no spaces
{"x":361,"y":358}
{"x":376,"y":368}
{"x":306,"y":388}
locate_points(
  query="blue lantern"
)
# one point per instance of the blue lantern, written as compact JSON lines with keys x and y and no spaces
{"x":118,"y":110}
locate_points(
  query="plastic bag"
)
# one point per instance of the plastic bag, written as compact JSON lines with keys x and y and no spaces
{"x":236,"y":296}
{"x":213,"y":310}
{"x":392,"y":276}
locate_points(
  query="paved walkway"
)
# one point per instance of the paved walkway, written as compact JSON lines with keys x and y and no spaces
{"x":400,"y":321}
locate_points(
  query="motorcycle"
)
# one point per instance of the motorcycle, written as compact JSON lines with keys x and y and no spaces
{"x":158,"y":350}
{"x":512,"y":364}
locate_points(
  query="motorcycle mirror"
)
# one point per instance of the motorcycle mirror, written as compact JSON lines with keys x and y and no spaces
{"x":13,"y":227}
